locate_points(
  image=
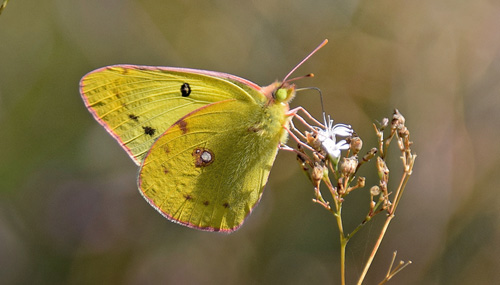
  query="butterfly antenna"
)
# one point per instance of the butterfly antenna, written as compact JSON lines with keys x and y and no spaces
{"x":305,"y":59}
{"x":300,"y":77}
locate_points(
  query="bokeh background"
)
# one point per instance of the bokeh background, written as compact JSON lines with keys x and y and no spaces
{"x":69,"y":209}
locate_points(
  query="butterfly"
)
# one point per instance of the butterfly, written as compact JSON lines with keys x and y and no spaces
{"x":205,"y":141}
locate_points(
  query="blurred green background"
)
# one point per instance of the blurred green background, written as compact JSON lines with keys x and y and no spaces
{"x":69,"y":209}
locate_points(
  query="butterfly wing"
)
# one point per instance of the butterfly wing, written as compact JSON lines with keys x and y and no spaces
{"x":208,"y":170}
{"x":136,"y":104}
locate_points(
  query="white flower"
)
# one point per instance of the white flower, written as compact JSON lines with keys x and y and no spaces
{"x":328,"y":140}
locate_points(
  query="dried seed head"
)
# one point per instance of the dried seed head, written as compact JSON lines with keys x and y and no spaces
{"x":317,"y":173}
{"x":312,"y":140}
{"x":303,"y":161}
{"x":355,"y":144}
{"x":384,"y":124}
{"x":361,"y":182}
{"x":370,"y":154}
{"x":375,"y":190}
{"x":398,"y":121}
{"x":383,"y":171}
{"x":349,"y":165}
{"x":403,"y":132}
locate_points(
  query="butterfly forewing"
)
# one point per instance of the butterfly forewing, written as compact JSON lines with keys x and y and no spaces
{"x":136,"y":104}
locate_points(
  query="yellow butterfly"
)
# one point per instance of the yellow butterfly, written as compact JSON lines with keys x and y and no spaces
{"x":205,"y":141}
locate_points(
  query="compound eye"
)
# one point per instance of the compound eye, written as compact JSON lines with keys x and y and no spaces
{"x":281,"y":94}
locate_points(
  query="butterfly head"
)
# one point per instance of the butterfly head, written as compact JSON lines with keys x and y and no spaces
{"x":279,"y":92}
{"x":284,"y":92}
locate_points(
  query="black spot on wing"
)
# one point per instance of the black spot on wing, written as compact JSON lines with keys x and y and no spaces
{"x":185,"y":89}
{"x":149,"y":131}
{"x":133,"y":117}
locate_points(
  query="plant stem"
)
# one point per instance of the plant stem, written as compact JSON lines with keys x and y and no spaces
{"x":399,"y":193}
{"x":343,"y":241}
{"x":367,"y":219}
{"x":391,"y":211}
{"x":375,"y":248}
{"x":343,"y":245}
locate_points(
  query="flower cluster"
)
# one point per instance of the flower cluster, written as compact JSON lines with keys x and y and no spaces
{"x":321,"y":159}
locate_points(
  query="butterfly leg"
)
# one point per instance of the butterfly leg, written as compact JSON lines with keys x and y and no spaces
{"x":294,"y":112}
{"x":293,"y":128}
{"x":287,"y":148}
{"x":297,"y":139}
{"x":296,"y":151}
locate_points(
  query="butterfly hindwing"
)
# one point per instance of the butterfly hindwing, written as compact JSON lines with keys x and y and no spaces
{"x":208,"y":170}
